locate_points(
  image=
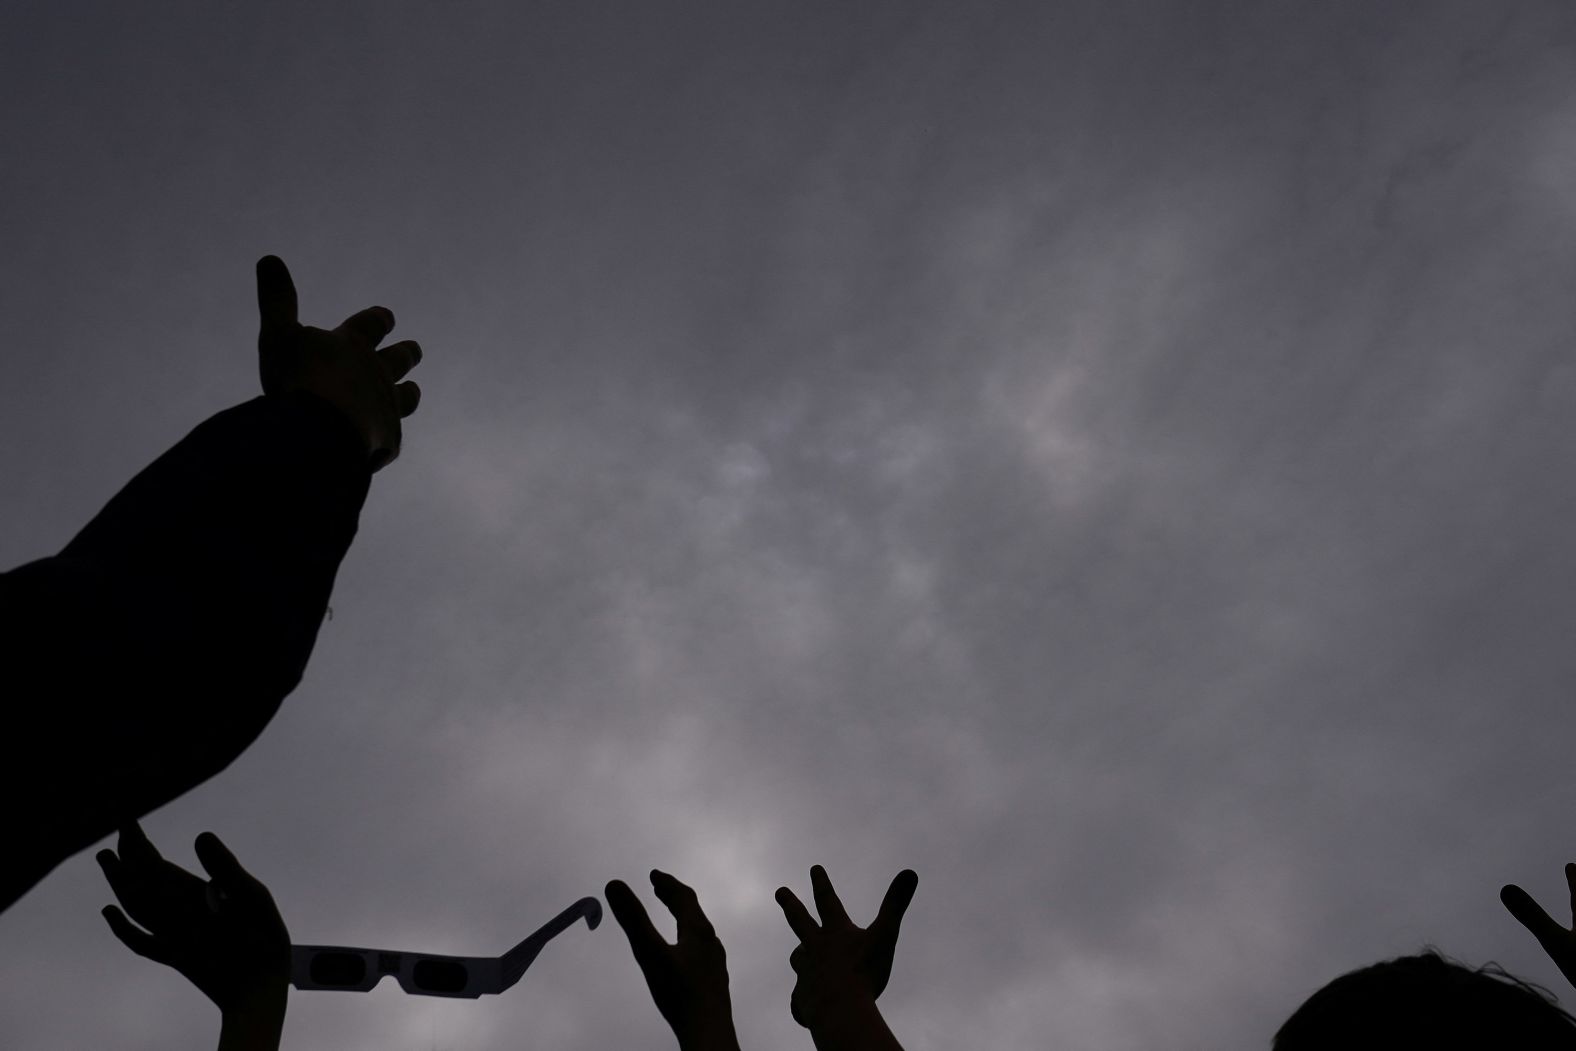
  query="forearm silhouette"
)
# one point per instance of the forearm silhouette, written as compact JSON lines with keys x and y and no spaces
{"x":154,"y":648}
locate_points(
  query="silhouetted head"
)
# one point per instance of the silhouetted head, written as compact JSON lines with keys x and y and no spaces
{"x":1427,"y":1001}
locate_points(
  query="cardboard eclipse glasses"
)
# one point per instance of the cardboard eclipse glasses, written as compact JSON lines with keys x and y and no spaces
{"x":349,"y":969}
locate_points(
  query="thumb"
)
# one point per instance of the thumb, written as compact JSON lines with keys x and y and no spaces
{"x":217,"y":860}
{"x":227,"y":879}
{"x":276,"y":296}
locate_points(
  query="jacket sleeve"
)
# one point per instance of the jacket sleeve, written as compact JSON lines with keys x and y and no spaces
{"x":157,"y":644}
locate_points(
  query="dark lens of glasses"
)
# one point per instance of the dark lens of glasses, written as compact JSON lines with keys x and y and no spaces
{"x":338,"y":968}
{"x":441,"y":976}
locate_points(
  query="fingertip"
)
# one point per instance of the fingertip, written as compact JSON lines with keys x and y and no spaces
{"x":118,"y":923}
{"x":210,"y":843}
{"x":669,"y":889}
{"x":215,"y":857}
{"x":274,"y":277}
{"x":409,"y":397}
{"x":133,"y":845}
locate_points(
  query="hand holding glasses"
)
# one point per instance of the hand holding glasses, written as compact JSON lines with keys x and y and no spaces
{"x":348,"y":969}
{"x":223,"y":934}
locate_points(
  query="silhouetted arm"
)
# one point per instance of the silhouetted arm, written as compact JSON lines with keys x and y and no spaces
{"x":223,"y":934}
{"x":689,"y":980}
{"x":155,"y":647}
{"x":842,"y":968}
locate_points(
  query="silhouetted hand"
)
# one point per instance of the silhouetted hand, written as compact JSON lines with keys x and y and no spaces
{"x":223,"y":934}
{"x":838,"y":962}
{"x":689,"y":980}
{"x":1557,"y":940}
{"x":343,"y":366}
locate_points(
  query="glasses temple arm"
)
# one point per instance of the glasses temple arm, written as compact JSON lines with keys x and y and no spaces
{"x":517,"y":959}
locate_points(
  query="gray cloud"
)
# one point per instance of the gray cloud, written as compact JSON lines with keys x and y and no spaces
{"x":1111,"y":458}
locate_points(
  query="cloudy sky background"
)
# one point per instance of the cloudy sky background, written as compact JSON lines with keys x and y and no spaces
{"x":1113,"y":457}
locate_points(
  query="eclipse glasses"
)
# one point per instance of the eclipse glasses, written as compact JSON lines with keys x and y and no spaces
{"x":427,"y":974}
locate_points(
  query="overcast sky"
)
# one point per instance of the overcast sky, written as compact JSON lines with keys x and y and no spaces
{"x":1115,"y":458}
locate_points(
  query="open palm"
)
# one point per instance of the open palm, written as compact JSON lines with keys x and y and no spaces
{"x":688,"y":980}
{"x":343,"y":366}
{"x":223,"y":934}
{"x":836,"y":957}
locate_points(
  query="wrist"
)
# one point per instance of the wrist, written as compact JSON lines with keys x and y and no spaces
{"x":256,"y":997}
{"x":717,"y":1035}
{"x":331,"y":422}
{"x":254,"y":1019}
{"x":849,"y":1020}
{"x":833,"y":997}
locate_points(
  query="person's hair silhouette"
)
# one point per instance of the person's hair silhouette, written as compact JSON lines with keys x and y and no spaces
{"x":153,"y":649}
{"x":1427,"y":1001}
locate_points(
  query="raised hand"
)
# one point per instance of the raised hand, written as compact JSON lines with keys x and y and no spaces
{"x":343,"y":366}
{"x":223,"y":934}
{"x":838,"y":962}
{"x":1557,"y":940}
{"x":689,"y":980}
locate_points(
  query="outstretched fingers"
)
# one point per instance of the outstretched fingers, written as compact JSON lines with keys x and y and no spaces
{"x":684,"y":904}
{"x":399,"y":358}
{"x":827,"y":903}
{"x":114,"y":874}
{"x":895,"y":904}
{"x":132,"y":936}
{"x":135,"y":847}
{"x":798,"y":917}
{"x":406,"y":397}
{"x":218,"y":862}
{"x":1531,"y":915}
{"x":370,"y":325}
{"x":644,"y":940}
{"x":226,"y":875}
